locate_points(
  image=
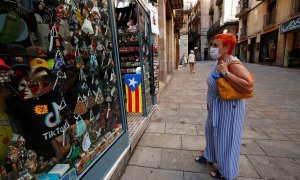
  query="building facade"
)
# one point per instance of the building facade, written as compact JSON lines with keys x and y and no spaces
{"x":222,"y":17}
{"x":269,"y":32}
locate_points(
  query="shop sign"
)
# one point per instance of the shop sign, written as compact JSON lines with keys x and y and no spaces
{"x":290,"y":25}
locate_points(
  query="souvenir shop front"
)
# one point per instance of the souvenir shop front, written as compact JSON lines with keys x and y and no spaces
{"x":62,"y":113}
{"x":136,"y":58}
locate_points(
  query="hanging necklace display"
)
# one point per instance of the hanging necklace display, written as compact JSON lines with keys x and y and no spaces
{"x":80,"y":108}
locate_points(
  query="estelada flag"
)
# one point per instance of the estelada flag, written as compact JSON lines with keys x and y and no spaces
{"x":133,"y":89}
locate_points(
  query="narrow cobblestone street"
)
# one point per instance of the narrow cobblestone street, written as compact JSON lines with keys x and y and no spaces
{"x":271,"y":137}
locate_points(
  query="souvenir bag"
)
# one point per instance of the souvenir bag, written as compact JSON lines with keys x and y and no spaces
{"x":99,"y":96}
{"x":55,"y":39}
{"x":90,"y":101}
{"x":80,"y":108}
{"x":79,"y":64}
{"x":227,"y":92}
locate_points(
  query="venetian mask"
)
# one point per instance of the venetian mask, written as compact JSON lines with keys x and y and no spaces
{"x":28,"y":88}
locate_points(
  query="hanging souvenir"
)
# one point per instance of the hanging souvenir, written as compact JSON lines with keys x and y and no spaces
{"x":55,"y":40}
{"x":86,"y":142}
{"x":59,"y":61}
{"x":90,"y":101}
{"x":59,"y":81}
{"x":87,"y":27}
{"x":80,"y":108}
{"x":92,"y":63}
{"x":79,"y":64}
{"x":82,"y":86}
{"x":80,"y":126}
{"x":108,"y":112}
{"x":99,"y":96}
{"x":113,"y":77}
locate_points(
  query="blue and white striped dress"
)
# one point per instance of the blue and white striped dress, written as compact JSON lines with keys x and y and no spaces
{"x":223,"y":129}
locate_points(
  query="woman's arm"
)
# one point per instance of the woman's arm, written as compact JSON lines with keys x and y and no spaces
{"x":238,"y":76}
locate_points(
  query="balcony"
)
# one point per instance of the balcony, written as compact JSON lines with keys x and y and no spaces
{"x":295,"y":7}
{"x":176,"y":4}
{"x":243,"y":32}
{"x":270,"y":18}
{"x":242,"y":8}
{"x":213,"y":29}
{"x":178,"y":18}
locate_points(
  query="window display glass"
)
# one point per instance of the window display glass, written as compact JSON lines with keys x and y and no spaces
{"x":60,"y":106}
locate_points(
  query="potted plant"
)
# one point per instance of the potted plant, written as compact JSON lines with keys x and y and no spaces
{"x":294,"y":58}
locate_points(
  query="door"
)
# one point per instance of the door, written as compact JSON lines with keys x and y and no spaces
{"x":252,"y":50}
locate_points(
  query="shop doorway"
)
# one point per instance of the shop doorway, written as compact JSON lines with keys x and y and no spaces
{"x":252,"y":50}
{"x":269,"y":48}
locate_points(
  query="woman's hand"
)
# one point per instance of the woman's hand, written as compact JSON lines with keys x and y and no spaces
{"x":222,"y":67}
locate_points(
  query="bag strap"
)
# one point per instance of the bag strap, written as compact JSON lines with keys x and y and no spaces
{"x":234,"y":62}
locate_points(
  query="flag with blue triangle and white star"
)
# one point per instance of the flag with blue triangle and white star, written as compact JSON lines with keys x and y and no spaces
{"x":133,"y":89}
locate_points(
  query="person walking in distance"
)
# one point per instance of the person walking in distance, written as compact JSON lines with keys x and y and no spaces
{"x":225,"y":119}
{"x":184,"y":59}
{"x":192,"y":61}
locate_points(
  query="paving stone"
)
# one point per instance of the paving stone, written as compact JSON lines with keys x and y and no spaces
{"x":182,"y":160}
{"x":196,"y":143}
{"x":246,"y":168}
{"x":242,"y":178}
{"x":138,"y":173}
{"x":254,"y":133}
{"x":298,"y":160}
{"x":187,"y":129}
{"x":290,"y":131}
{"x":275,"y":134}
{"x":295,"y":137}
{"x":249,"y":146}
{"x":280,"y":148}
{"x":161,"y":140}
{"x":275,"y":167}
{"x":196,"y":176}
{"x":146,"y":156}
{"x":200,"y":129}
{"x":156,"y":127}
{"x":163,"y":105}
{"x":191,"y":106}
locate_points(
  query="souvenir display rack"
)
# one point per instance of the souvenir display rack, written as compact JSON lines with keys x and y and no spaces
{"x":65,"y":103}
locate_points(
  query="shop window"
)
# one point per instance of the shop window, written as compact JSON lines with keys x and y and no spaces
{"x":64,"y":105}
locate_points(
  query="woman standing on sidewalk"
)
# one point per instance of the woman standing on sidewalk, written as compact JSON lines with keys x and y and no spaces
{"x":192,"y":61}
{"x":224,"y":124}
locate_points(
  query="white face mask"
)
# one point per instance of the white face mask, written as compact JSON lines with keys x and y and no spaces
{"x":214,"y":53}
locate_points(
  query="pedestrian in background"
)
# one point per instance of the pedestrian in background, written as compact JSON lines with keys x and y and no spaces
{"x":224,"y":124}
{"x":192,"y":61}
{"x":184,"y":59}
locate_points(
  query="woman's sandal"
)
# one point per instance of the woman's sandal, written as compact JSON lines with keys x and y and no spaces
{"x":202,"y":159}
{"x":217,"y":175}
